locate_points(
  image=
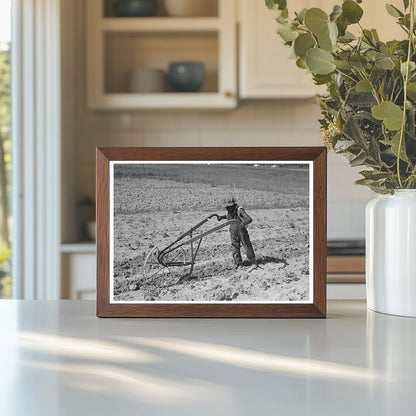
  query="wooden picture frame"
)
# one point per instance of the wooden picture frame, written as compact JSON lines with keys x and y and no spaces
{"x":109,"y":159}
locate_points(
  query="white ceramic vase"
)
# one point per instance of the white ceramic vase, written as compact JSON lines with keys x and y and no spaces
{"x":391,"y":253}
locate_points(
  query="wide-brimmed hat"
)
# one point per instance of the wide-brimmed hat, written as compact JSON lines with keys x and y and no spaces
{"x":228,"y":200}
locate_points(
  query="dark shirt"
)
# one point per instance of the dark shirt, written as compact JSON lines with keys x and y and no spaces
{"x":238,"y":213}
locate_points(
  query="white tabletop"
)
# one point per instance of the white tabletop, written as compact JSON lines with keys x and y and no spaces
{"x":57,"y":358}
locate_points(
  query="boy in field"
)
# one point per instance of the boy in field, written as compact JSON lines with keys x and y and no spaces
{"x":238,"y":231}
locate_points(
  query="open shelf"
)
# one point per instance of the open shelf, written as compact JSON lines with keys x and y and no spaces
{"x":126,"y":51}
{"x":87,"y":247}
{"x":167,"y":100}
{"x":160,"y":24}
{"x":211,"y":9}
{"x":119,"y":45}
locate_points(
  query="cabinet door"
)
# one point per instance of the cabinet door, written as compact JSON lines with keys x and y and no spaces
{"x":265,"y":68}
{"x":78,"y":276}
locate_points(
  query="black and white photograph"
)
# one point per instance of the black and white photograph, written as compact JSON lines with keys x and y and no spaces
{"x":211,"y":232}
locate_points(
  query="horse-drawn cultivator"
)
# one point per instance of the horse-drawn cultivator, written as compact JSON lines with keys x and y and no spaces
{"x":181,"y":253}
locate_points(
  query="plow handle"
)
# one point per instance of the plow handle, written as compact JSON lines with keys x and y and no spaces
{"x":181,"y":241}
{"x":197,"y":226}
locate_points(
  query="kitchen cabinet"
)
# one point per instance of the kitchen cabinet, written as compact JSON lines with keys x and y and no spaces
{"x":265,"y":69}
{"x":118,"y":45}
{"x":346,"y":277}
{"x":78,"y":263}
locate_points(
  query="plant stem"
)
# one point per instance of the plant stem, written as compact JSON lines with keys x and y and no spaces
{"x":391,"y":98}
{"x":397,"y":95}
{"x":373,"y":88}
{"x":405,"y":81}
{"x":346,"y":75}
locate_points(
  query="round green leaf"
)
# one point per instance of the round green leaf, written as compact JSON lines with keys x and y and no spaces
{"x":328,"y":38}
{"x":324,"y":41}
{"x":393,"y":11}
{"x":375,"y":35}
{"x":276,"y":4}
{"x":333,"y":32}
{"x":363,"y":86}
{"x":351,"y":11}
{"x":322,"y":79}
{"x":303,"y":43}
{"x":319,"y":61}
{"x":287,"y":33}
{"x":301,"y":15}
{"x":344,"y":65}
{"x":412,"y":67}
{"x":395,"y":144}
{"x":336,"y":12}
{"x":391,"y":114}
{"x":316,"y":20}
{"x":342,"y":25}
{"x":358,"y":61}
{"x":384,"y":62}
{"x":411,"y":90}
{"x":301,"y":63}
{"x":348,"y":37}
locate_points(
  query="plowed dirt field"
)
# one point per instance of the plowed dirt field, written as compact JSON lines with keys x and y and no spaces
{"x":154,"y":205}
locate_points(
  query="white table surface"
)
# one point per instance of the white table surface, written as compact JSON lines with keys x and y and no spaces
{"x":57,"y":358}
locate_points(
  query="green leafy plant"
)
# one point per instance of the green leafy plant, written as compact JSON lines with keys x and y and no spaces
{"x":369,"y":113}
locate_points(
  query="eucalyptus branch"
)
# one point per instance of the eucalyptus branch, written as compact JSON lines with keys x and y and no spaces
{"x":404,"y":28}
{"x":370,"y":63}
{"x":369,"y":40}
{"x":406,"y":80}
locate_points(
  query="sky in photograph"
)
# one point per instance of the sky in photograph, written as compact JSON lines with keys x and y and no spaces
{"x":4,"y":22}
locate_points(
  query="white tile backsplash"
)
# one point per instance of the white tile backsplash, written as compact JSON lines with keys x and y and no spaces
{"x":215,"y":120}
{"x":346,"y":219}
{"x":341,"y":180}
{"x":173,"y":138}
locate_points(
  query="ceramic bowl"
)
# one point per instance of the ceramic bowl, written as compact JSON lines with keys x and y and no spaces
{"x":147,"y":80}
{"x":191,"y":8}
{"x":135,"y":8}
{"x":186,"y":76}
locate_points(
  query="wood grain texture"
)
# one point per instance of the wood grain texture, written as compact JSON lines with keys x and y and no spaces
{"x":346,"y":264}
{"x":103,"y":231}
{"x":319,"y":230}
{"x":345,"y":278}
{"x":317,"y":309}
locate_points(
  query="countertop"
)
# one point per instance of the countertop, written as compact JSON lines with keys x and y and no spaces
{"x":57,"y":358}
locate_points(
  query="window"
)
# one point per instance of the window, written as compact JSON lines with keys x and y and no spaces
{"x":5,"y":145}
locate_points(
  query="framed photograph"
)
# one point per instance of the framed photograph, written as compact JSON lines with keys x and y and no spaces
{"x":211,"y":232}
